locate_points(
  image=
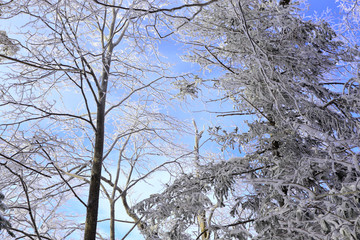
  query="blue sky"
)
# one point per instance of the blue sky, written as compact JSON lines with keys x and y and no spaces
{"x":321,"y":5}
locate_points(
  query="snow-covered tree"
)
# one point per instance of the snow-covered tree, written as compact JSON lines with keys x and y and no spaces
{"x":4,"y":222}
{"x":8,"y":47}
{"x":84,"y":113}
{"x":299,"y":174}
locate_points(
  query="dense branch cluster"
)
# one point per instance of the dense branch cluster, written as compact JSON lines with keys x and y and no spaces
{"x":302,"y":148}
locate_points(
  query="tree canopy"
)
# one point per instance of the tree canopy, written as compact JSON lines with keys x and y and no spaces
{"x":86,"y":96}
{"x":301,"y":162}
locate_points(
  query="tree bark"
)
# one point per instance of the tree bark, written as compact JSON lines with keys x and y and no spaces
{"x":94,"y":191}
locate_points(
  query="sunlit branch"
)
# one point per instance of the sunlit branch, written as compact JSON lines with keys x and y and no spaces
{"x":29,"y":208}
{"x":43,"y":67}
{"x":61,"y":176}
{"x":130,"y":94}
{"x":116,"y":220}
{"x":23,"y":165}
{"x":156,"y":10}
{"x":138,"y":221}
{"x":50,"y":113}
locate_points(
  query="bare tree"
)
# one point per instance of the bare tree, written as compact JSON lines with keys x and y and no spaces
{"x":84,"y":103}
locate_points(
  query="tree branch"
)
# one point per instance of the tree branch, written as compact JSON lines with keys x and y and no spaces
{"x":156,"y":10}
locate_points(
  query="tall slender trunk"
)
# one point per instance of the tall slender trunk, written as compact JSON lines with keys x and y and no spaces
{"x":201,"y":215}
{"x":94,"y":191}
{"x":112,"y":219}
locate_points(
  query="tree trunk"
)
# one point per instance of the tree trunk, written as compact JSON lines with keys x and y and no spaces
{"x":94,"y":191}
{"x":201,"y":216}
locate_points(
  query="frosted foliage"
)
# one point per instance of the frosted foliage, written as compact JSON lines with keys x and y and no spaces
{"x":188,"y":195}
{"x":4,"y":222}
{"x":351,"y":8}
{"x":302,"y":160}
{"x":7,"y":46}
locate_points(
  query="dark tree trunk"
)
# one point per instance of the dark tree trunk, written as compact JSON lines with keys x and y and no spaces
{"x":94,"y":191}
